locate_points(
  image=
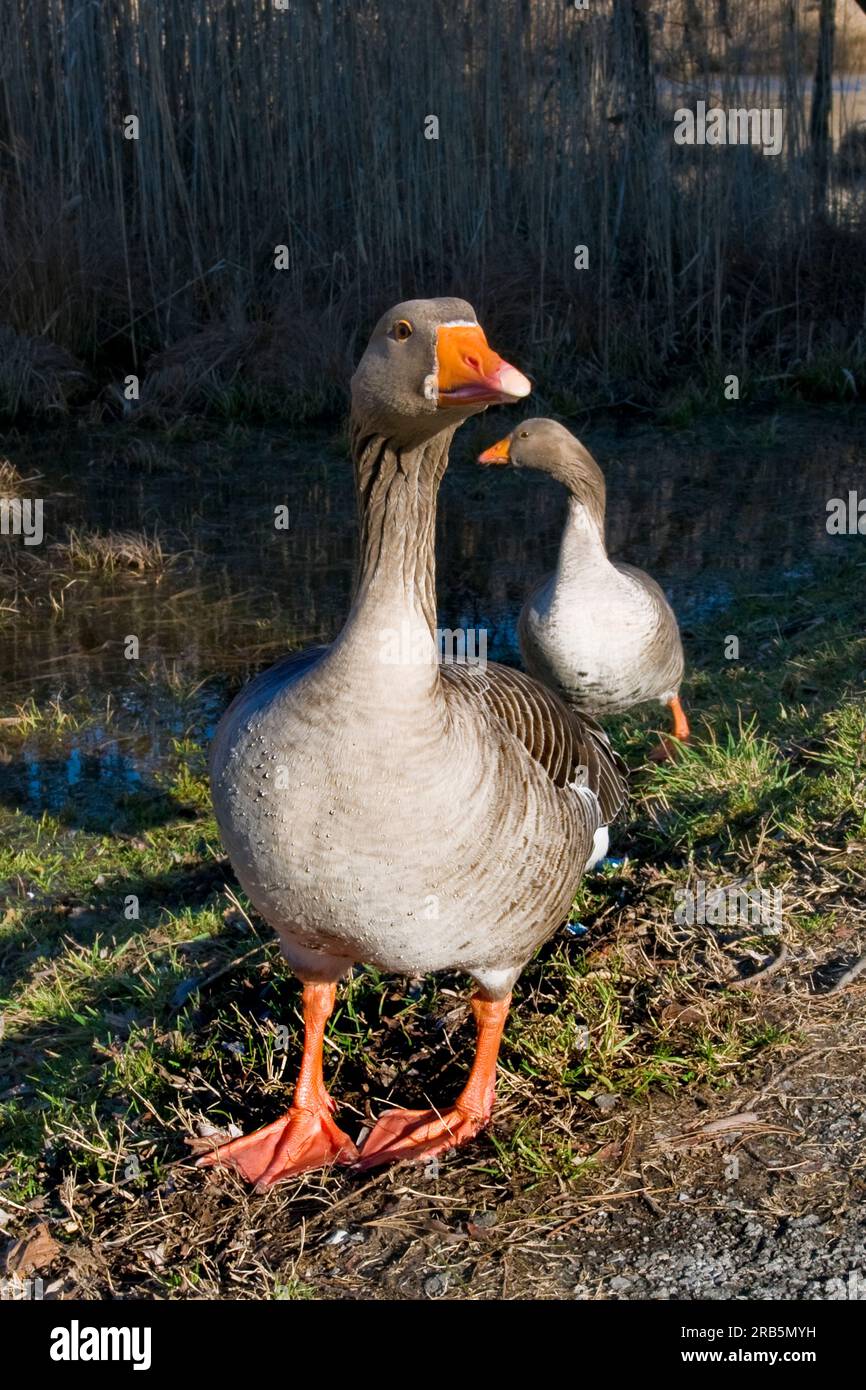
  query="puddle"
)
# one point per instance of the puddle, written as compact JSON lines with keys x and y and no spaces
{"x":699,"y":509}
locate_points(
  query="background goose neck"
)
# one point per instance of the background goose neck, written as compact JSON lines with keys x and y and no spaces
{"x":572,"y":465}
{"x":582,"y":546}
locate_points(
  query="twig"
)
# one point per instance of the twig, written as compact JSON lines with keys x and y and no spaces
{"x":786,"y":1071}
{"x":850,"y":975}
{"x":760,"y":976}
{"x":207,"y":980}
{"x":747,"y":1120}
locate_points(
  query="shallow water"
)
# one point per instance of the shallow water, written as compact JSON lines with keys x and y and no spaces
{"x":699,"y":509}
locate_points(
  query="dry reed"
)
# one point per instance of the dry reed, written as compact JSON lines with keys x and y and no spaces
{"x":305,"y":127}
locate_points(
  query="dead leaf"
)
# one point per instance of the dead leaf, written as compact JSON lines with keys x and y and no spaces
{"x":479,"y":1232}
{"x":686,"y":1014}
{"x":608,"y":1152}
{"x":37,"y":1250}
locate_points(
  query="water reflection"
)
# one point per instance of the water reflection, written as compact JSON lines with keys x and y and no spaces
{"x":696,"y":509}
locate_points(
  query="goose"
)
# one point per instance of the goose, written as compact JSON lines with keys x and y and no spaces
{"x":600,"y":632}
{"x":399,"y":812}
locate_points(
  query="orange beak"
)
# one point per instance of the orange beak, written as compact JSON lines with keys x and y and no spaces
{"x":471,"y":373}
{"x":500,"y":452}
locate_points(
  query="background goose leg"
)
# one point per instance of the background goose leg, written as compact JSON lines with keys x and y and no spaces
{"x":666,"y":750}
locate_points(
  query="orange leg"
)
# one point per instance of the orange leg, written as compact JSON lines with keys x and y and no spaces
{"x":421,"y":1134}
{"x":306,"y":1136}
{"x":681,"y":724}
{"x":666,"y":749}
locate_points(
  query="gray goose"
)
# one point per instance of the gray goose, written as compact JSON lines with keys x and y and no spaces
{"x":599,"y":632}
{"x":407,"y":814}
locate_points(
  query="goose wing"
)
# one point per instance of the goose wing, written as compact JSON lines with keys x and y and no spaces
{"x":287,"y":670}
{"x":559,"y":739}
{"x":667,"y":646}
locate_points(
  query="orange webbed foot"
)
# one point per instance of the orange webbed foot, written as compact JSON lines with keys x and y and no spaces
{"x":414,"y":1136}
{"x":298,"y":1142}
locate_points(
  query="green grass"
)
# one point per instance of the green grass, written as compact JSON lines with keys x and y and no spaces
{"x":719,"y":788}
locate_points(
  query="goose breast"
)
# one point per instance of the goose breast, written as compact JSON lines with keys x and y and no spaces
{"x":412,"y":846}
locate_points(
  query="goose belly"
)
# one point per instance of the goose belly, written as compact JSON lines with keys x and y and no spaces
{"x":598,"y":646}
{"x":411,"y":860}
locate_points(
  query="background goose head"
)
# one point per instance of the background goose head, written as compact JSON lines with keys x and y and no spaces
{"x":550,"y":448}
{"x":427,"y":368}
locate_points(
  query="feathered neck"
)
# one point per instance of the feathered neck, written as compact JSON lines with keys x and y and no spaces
{"x":397,"y":490}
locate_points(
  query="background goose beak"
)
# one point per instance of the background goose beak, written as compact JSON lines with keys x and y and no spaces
{"x":471,"y":373}
{"x":500,"y":452}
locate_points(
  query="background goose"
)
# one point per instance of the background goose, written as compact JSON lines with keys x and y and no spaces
{"x":414,"y":816}
{"x":600,"y":632}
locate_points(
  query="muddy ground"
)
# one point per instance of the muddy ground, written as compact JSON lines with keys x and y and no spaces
{"x":759,"y":1195}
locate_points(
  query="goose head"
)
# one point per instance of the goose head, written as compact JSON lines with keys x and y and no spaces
{"x":550,"y":448}
{"x":427,"y":368}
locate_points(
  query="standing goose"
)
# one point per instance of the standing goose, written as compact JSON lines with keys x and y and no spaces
{"x":600,"y":633}
{"x":406,"y":814}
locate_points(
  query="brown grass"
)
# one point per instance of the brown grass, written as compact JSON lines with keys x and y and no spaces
{"x":37,"y":377}
{"x":133,"y":552}
{"x":305,"y":128}
{"x":12,"y":482}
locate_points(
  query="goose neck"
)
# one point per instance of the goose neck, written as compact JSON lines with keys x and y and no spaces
{"x":582,"y":546}
{"x":394,"y":605}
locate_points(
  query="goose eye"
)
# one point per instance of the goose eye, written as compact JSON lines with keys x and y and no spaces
{"x":524,"y":434}
{"x":403,"y":330}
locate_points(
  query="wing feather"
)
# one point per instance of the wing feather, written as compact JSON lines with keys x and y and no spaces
{"x":570,"y":747}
